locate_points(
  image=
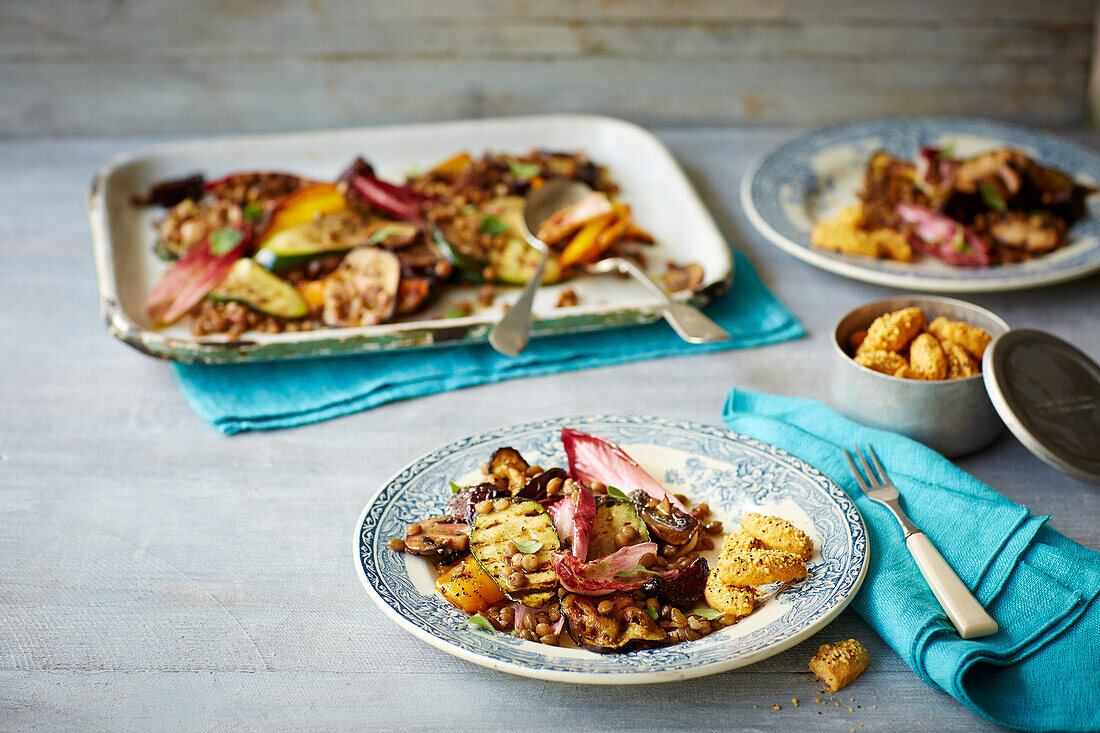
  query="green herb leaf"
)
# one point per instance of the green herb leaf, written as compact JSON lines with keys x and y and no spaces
{"x":384,"y":233}
{"x":493,"y":225}
{"x":481,"y":622}
{"x":527,"y":547}
{"x":455,"y":488}
{"x":617,"y":494}
{"x":947,"y":152}
{"x":1038,"y":212}
{"x":638,"y":570}
{"x":224,"y":240}
{"x":413,"y":172}
{"x":456,"y":313}
{"x":959,"y":244}
{"x":652,"y":612}
{"x":469,"y":209}
{"x":708,"y":613}
{"x":523,"y":171}
{"x":991,"y":198}
{"x":253,"y":210}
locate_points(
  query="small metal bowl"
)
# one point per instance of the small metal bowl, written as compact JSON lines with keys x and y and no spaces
{"x":953,"y":416}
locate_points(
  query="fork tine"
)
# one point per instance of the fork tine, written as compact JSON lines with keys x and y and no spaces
{"x":881,"y":471}
{"x":872,"y":477}
{"x":855,"y":471}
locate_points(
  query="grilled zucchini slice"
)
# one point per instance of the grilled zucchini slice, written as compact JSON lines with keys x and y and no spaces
{"x":612,"y":516}
{"x":524,"y":525}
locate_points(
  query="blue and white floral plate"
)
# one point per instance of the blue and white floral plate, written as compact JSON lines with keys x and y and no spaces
{"x":789,"y":189}
{"x":730,"y":472}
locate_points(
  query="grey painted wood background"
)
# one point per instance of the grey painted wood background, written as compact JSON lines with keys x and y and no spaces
{"x":72,"y":67}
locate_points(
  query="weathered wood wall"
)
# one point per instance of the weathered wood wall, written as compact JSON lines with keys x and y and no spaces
{"x":138,"y":66}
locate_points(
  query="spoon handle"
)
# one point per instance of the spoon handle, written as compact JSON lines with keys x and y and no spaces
{"x":688,"y":321}
{"x":512,"y":332}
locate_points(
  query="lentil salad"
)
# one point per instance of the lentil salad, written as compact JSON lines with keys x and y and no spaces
{"x":555,"y":555}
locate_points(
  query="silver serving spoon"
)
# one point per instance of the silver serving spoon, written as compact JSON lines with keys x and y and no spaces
{"x":512,"y":332}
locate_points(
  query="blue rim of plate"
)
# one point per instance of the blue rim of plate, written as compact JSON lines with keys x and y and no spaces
{"x":754,"y":471}
{"x":785,"y":171}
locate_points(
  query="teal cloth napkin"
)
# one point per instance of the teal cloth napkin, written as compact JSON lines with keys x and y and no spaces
{"x":284,"y":394}
{"x":1041,"y":671}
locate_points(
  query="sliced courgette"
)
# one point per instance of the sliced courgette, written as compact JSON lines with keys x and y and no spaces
{"x":249,"y":283}
{"x":514,"y":261}
{"x":612,"y":516}
{"x":331,"y":234}
{"x":362,"y":291}
{"x":524,"y":525}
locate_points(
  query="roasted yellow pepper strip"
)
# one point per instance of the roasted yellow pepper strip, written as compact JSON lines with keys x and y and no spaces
{"x":454,"y":166}
{"x":469,"y":587}
{"x":302,"y":206}
{"x":313,"y":291}
{"x":614,"y":230}
{"x":584,"y":245}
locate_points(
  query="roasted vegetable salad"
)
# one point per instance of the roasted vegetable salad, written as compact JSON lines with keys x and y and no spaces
{"x":360,"y":251}
{"x":995,"y":208}
{"x":598,"y":553}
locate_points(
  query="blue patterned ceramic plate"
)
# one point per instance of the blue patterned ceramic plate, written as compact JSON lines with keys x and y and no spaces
{"x":731,"y":472}
{"x":788,"y":190}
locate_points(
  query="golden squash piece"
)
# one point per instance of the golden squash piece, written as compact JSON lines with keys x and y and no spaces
{"x":886,"y":362}
{"x":838,"y":665}
{"x":972,"y":338}
{"x":926,"y":358}
{"x":760,"y":567}
{"x":777,"y":533}
{"x":729,"y":599}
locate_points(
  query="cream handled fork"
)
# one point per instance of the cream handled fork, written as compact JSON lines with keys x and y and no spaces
{"x":967,"y":615}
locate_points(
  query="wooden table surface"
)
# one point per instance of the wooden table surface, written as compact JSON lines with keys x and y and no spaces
{"x":157,"y":574}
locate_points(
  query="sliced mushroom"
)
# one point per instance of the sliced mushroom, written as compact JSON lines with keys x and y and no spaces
{"x":442,"y":538}
{"x":509,"y":464}
{"x":688,"y":277}
{"x":664,"y":520}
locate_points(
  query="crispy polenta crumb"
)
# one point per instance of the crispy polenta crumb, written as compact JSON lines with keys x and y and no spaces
{"x":776,"y":707}
{"x":884,"y":362}
{"x":838,"y":665}
{"x":926,"y":358}
{"x":892,"y":331}
{"x":972,"y":338}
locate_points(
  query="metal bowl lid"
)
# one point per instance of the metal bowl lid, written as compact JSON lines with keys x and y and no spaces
{"x":1048,"y":394}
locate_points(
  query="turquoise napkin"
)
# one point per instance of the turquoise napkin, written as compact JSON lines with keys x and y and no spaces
{"x":1041,"y":671}
{"x":284,"y":394}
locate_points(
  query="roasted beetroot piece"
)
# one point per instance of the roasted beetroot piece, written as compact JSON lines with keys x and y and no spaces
{"x":623,"y":628}
{"x":684,"y":589}
{"x":171,"y":192}
{"x":462,"y":504}
{"x":665,"y":521}
{"x":536,"y":488}
{"x":441,"y":538}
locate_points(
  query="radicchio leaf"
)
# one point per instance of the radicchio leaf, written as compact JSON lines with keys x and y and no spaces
{"x":595,"y":459}
{"x":573,"y":517}
{"x":617,"y":571}
{"x":940,"y":236}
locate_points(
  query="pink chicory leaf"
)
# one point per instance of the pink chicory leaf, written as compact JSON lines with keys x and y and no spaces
{"x":615,"y":572}
{"x":595,"y":459}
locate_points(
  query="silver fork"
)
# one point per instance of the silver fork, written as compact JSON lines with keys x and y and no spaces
{"x":967,"y":615}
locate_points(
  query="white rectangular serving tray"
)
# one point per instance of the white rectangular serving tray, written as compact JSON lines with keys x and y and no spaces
{"x":663,"y":200}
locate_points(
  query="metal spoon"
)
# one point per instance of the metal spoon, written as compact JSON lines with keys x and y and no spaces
{"x":688,"y":321}
{"x":513,"y":331}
